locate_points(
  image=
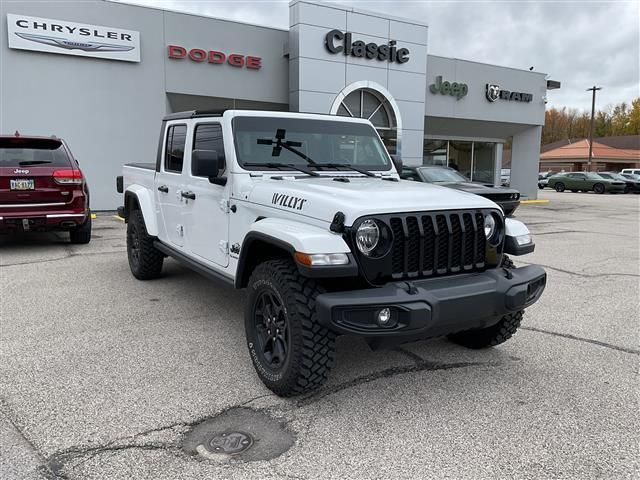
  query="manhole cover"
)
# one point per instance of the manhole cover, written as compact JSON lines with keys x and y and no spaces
{"x":239,"y":435}
{"x":230,"y":442}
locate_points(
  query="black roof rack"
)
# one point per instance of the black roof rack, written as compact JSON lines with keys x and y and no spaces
{"x":195,"y":113}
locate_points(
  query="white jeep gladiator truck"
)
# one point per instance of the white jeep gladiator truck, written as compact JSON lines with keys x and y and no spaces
{"x":307,"y":212}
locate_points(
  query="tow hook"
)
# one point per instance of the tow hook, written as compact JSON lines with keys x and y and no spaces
{"x":507,"y":273}
{"x":410,"y":288}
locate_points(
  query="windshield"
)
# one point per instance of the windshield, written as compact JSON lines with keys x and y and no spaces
{"x":442,"y":175}
{"x":304,"y":142}
{"x":22,"y":152}
{"x":615,"y":176}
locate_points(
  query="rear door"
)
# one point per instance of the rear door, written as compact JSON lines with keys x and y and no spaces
{"x":27,"y":168}
{"x":168,"y":184}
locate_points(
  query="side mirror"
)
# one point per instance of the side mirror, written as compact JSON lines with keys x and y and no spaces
{"x":397,"y":163}
{"x":206,"y":163}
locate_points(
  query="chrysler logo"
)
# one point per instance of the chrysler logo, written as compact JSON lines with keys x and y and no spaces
{"x":75,"y":45}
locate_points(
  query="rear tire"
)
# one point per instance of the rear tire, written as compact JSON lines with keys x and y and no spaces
{"x":598,"y":188}
{"x":145,"y":260}
{"x":490,"y":336}
{"x":291,"y":352}
{"x":559,"y":187}
{"x":82,"y":234}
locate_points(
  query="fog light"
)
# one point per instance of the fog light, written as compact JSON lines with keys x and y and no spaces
{"x":384,"y":317}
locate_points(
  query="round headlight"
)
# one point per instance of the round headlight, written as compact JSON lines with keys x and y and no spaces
{"x":489,"y":226}
{"x":367,"y":236}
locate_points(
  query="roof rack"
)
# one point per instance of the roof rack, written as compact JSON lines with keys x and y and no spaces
{"x":195,"y":113}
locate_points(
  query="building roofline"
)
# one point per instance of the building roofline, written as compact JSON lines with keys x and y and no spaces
{"x":129,"y":3}
{"x":484,"y":63}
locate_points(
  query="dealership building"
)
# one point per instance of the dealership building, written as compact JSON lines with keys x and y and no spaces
{"x":102,"y":75}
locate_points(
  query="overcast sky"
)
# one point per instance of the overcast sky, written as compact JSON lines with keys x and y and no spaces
{"x":578,"y":43}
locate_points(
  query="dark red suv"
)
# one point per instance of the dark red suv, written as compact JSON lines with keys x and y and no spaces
{"x":42,"y":188}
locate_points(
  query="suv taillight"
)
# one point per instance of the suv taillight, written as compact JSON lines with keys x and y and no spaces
{"x":68,"y":177}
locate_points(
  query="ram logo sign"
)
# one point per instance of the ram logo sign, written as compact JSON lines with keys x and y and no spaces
{"x":71,"y":38}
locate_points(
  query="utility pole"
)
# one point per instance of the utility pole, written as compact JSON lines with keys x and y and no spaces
{"x":593,"y":112}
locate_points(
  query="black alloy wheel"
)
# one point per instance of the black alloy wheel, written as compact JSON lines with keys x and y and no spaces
{"x":272,"y":329}
{"x":559,"y":187}
{"x":598,"y":188}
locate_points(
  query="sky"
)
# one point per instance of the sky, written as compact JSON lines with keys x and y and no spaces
{"x":579,"y":43}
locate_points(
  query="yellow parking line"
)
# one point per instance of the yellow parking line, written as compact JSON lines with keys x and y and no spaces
{"x":526,"y":202}
{"x":93,"y":216}
{"x":119,"y":218}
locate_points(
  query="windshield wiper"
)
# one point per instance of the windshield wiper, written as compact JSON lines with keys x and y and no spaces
{"x":33,"y":162}
{"x":346,"y":165}
{"x":281,"y":143}
{"x":281,"y":165}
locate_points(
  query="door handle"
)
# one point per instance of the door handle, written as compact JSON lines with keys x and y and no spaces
{"x":163,"y":189}
{"x":189,"y":195}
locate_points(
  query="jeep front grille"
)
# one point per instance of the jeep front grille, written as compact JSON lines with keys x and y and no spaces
{"x":436,"y":244}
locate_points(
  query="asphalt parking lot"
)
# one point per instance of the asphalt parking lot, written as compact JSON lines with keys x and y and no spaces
{"x":102,"y":376}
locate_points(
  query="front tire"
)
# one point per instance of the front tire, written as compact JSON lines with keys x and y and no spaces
{"x":598,"y":188}
{"x":145,"y":260}
{"x":82,"y":234}
{"x":291,"y":352}
{"x":559,"y":187}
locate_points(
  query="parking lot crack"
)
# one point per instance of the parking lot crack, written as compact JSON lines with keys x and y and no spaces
{"x":583,"y":339}
{"x":582,"y":275}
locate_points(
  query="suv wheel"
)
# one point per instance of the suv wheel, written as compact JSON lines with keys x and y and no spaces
{"x":291,"y":352}
{"x":145,"y":261}
{"x":81,"y":234}
{"x":598,"y":188}
{"x":495,"y":334}
{"x":559,"y":187}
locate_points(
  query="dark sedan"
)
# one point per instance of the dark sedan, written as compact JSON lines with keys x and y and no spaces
{"x":632,"y":185}
{"x":507,"y":198}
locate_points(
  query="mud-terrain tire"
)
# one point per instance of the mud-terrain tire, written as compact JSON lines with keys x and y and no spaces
{"x":82,"y":234}
{"x":495,"y":334}
{"x":599,"y":188}
{"x":298,"y":355}
{"x":559,"y":187}
{"x":145,"y":261}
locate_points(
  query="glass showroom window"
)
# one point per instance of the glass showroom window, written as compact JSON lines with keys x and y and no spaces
{"x":372,"y":106}
{"x":475,"y":160}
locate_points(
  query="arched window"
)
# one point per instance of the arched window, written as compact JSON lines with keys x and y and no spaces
{"x":374,"y":107}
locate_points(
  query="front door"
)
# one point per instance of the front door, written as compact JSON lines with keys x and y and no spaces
{"x":168,"y":186}
{"x":206,"y":213}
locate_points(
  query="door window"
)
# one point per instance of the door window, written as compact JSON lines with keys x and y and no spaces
{"x":208,"y":136}
{"x":174,"y":152}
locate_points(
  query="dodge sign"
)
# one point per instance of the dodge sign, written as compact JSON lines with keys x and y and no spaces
{"x":71,"y":38}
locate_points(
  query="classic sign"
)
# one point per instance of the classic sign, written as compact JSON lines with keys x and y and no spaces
{"x":494,"y":92}
{"x":336,"y":41}
{"x":71,"y":38}
{"x":454,"y":89}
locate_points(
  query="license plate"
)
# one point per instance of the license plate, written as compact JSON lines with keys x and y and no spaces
{"x":22,"y":184}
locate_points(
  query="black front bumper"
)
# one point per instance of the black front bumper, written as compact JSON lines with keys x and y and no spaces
{"x":432,"y":307}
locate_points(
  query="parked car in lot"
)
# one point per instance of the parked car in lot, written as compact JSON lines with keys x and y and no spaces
{"x":307,"y":213}
{"x":631,"y":176}
{"x":631,"y":185}
{"x":42,"y":188}
{"x":634,"y":171}
{"x":543,"y":179}
{"x":507,"y":198}
{"x":584,"y":182}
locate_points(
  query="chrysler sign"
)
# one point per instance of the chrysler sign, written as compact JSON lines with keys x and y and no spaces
{"x":72,"y":38}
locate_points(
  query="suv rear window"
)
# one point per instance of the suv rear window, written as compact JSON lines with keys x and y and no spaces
{"x":26,"y":152}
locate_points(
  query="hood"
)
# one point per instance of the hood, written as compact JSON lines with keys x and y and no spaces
{"x":477,"y":188}
{"x":321,"y":197}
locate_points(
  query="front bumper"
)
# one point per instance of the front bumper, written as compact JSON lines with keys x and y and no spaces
{"x":432,"y":307}
{"x":508,"y":206}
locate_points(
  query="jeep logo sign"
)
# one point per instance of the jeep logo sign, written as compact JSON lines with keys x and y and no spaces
{"x":336,"y":41}
{"x":494,"y":92}
{"x":454,"y":89}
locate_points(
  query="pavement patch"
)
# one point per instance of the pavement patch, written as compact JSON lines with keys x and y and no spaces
{"x":239,"y":435}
